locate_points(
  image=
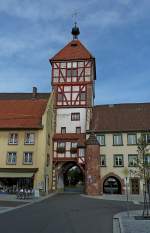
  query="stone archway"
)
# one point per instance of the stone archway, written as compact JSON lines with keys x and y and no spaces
{"x":71,"y":177}
{"x":112,"y":184}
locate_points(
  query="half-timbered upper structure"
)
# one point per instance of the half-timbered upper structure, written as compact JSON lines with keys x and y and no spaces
{"x":73,"y":76}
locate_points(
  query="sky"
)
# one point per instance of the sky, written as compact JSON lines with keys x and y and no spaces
{"x":116,"y":32}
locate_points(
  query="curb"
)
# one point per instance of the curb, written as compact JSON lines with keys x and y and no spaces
{"x":116,"y":225}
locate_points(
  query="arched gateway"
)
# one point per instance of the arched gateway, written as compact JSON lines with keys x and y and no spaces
{"x":70,"y":177}
{"x":112,"y":185}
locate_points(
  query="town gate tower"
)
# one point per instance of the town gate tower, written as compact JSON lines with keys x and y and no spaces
{"x":73,"y":77}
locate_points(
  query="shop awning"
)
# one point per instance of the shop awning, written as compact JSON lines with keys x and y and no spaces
{"x":16,"y":174}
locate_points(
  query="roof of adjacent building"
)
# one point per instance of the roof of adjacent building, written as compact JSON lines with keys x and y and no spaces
{"x":72,"y":51}
{"x":21,"y":110}
{"x":25,"y":96}
{"x":121,"y":117}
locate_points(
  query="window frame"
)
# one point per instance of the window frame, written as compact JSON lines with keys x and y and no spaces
{"x":61,"y":149}
{"x":12,"y":143}
{"x":104,"y":156}
{"x":75,"y":118}
{"x":117,"y":134}
{"x":11,"y":163}
{"x":131,"y":144}
{"x":130,"y":155}
{"x":59,"y":142}
{"x":117,"y":155}
{"x":78,"y":128}
{"x":81,"y":95}
{"x":28,"y":152}
{"x":99,"y":135}
{"x":146,"y":136}
{"x":29,"y":143}
{"x":147,"y":163}
{"x":63,"y":128}
{"x":59,"y":94}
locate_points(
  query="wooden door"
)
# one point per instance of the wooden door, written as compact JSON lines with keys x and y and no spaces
{"x":135,"y":185}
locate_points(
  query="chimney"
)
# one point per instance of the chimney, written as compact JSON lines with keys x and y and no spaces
{"x":34,"y":92}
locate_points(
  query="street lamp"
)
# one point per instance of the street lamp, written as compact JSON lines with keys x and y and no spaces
{"x":126,"y":174}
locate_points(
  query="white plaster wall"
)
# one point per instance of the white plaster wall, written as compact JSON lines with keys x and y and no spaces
{"x":64,"y":120}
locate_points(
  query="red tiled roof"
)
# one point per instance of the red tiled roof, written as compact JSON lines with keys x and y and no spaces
{"x":72,"y":51}
{"x":121,"y":117}
{"x":22,"y":113}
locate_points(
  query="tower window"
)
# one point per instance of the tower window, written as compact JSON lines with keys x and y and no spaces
{"x":75,"y":116}
{"x":72,"y":72}
{"x":78,"y":129}
{"x":60,"y":97}
{"x":82,"y":96}
{"x":63,"y":129}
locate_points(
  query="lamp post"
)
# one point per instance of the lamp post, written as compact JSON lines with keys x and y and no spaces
{"x":127,"y":196}
{"x":126,"y":174}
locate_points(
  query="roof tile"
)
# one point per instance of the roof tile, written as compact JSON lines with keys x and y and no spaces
{"x":121,"y":117}
{"x":22,"y":113}
{"x":72,"y":51}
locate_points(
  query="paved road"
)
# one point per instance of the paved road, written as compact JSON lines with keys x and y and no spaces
{"x":63,"y":213}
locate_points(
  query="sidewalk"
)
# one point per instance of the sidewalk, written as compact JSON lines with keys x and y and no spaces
{"x":122,"y":223}
{"x":12,"y":197}
{"x":136,"y":199}
{"x":125,"y":222}
{"x":9,"y":202}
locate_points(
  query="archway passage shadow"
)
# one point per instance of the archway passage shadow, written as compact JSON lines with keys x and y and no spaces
{"x":73,"y":178}
{"x":111,"y":185}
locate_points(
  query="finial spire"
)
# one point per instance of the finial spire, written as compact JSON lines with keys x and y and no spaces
{"x":75,"y":30}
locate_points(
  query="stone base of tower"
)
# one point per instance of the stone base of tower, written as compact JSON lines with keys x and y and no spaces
{"x":92,"y":168}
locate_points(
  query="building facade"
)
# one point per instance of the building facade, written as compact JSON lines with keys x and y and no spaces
{"x":26,"y":127}
{"x":118,"y":128}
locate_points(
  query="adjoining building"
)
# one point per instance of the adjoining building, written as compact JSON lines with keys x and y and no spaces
{"x":26,"y":128}
{"x":118,"y":128}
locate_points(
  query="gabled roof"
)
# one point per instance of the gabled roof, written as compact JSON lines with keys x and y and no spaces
{"x":121,"y":117}
{"x":25,"y":96}
{"x":72,"y":51}
{"x":21,"y":111}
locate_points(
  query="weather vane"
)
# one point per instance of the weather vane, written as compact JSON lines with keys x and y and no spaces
{"x":74,"y":16}
{"x":75,"y":30}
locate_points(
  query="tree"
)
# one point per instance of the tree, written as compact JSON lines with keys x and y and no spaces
{"x":143,"y":171}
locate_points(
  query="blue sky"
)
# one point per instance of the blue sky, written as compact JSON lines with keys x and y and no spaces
{"x":117,"y":32}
